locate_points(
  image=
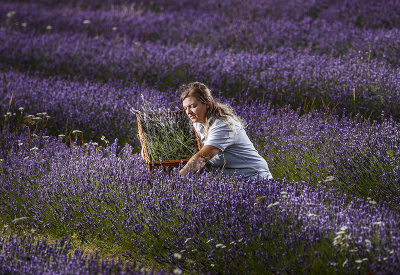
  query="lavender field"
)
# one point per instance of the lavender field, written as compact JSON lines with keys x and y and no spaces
{"x":318,"y":83}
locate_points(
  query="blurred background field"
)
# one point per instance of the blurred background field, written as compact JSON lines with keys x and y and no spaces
{"x":318,"y":83}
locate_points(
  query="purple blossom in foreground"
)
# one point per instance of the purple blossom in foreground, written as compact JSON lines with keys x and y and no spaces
{"x":220,"y":224}
{"x":25,"y":255}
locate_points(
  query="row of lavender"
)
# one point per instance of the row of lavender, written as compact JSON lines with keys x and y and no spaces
{"x":287,"y":140}
{"x":26,"y":255}
{"x":205,"y":221}
{"x":363,"y":14}
{"x":353,"y":82}
{"x":212,"y":29}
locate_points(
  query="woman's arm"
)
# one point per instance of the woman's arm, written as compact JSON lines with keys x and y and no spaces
{"x":199,"y":159}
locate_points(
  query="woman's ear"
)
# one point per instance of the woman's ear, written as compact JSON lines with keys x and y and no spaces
{"x":208,"y":104}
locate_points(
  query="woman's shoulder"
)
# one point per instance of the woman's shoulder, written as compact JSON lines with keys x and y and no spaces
{"x":225,"y":122}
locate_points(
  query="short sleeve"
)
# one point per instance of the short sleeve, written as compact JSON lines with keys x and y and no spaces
{"x":220,"y":136}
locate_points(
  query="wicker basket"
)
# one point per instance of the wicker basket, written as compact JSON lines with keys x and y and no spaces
{"x":152,"y":164}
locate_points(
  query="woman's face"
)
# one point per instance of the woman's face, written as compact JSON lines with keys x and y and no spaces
{"x":195,"y":109}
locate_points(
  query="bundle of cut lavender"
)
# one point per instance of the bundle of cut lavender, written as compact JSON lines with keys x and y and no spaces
{"x":168,"y":135}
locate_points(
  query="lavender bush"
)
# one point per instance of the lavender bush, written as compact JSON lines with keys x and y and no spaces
{"x":356,"y":83}
{"x":209,"y":220}
{"x":25,"y":255}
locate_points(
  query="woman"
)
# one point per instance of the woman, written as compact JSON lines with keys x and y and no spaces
{"x":225,"y":143}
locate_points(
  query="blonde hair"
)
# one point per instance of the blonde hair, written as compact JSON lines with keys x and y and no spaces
{"x":216,"y":110}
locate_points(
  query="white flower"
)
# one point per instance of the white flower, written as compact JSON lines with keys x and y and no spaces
{"x":21,"y":108}
{"x":365,"y":259}
{"x":379,"y":223}
{"x":86,"y":22}
{"x":220,"y":245}
{"x":209,"y":240}
{"x":9,"y":114}
{"x":177,"y":256}
{"x":284,"y":193}
{"x":367,"y":241}
{"x":48,"y":117}
{"x":26,"y":158}
{"x":273,"y":204}
{"x":114,"y":28}
{"x":23,"y":24}
{"x":359,"y":261}
{"x":76,"y":131}
{"x":240,"y":240}
{"x":45,"y":137}
{"x":345,"y":262}
{"x":312,"y":215}
{"x":344,"y":228}
{"x":20,"y":143}
{"x":212,"y":265}
{"x":49,"y":27}
{"x":233,"y":243}
{"x":188,"y":239}
{"x":1,"y":160}
{"x":10,"y":14}
{"x":95,"y":143}
{"x":38,"y":114}
{"x":177,"y":271}
{"x":329,"y":178}
{"x":34,"y":149}
{"x":372,"y":202}
{"x":37,"y":118}
{"x":61,"y":135}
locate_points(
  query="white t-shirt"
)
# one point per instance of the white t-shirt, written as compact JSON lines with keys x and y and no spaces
{"x":238,"y":155}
